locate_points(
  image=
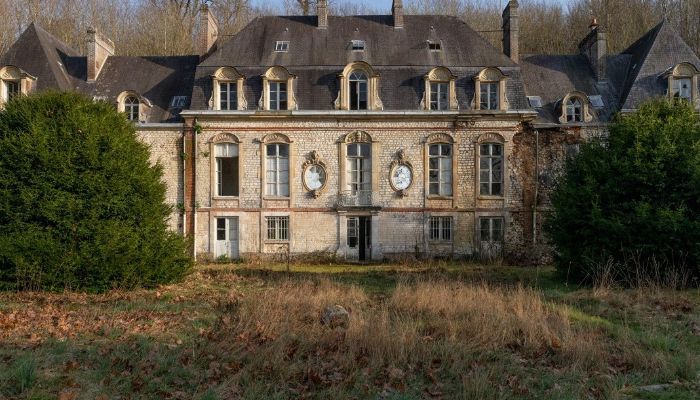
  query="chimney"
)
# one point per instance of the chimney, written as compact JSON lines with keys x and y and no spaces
{"x":208,"y":32}
{"x":511,"y":31}
{"x":595,"y":47}
{"x":322,"y":13}
{"x":98,"y":49}
{"x":397,"y":12}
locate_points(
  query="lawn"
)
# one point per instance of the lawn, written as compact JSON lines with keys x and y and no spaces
{"x":426,"y":331}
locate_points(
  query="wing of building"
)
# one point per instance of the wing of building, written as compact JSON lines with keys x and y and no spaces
{"x":362,"y":137}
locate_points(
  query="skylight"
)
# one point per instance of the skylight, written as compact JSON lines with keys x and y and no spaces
{"x":596,"y":101}
{"x":358,"y":45}
{"x":282,"y":46}
{"x":535,"y":101}
{"x":434,"y":46}
{"x":178,"y":102}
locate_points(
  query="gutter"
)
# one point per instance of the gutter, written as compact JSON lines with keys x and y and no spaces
{"x":357,"y":114}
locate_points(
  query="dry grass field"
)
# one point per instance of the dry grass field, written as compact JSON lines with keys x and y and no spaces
{"x":439,"y":331}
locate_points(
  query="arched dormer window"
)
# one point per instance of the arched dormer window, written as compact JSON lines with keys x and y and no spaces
{"x":359,"y":88}
{"x":133,"y":105}
{"x":490,"y":90}
{"x":575,"y":108}
{"x":227,"y":93}
{"x":14,"y":82}
{"x":278,"y":90}
{"x":440,"y":94}
{"x":683,"y":83}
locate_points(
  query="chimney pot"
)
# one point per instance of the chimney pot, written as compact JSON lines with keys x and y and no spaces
{"x":397,"y":13}
{"x":322,"y":14}
{"x":594,"y":23}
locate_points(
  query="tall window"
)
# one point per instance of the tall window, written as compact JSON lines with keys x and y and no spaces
{"x":440,"y":169}
{"x":278,"y":95}
{"x":227,"y":169}
{"x":439,"y":95}
{"x":131,"y":108}
{"x":441,"y":229}
{"x":277,"y":177}
{"x":359,"y":167}
{"x":277,"y":228}
{"x":358,"y":90}
{"x":574,"y":110}
{"x":491,"y":169}
{"x":228,"y":95}
{"x":491,"y":229}
{"x":682,"y":89}
{"x":12,"y":89}
{"x":489,"y":96}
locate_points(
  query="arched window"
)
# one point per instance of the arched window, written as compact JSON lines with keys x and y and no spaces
{"x":358,"y":90}
{"x":683,"y":82}
{"x":131,"y":108}
{"x":278,"y":90}
{"x":13,"y":82}
{"x":491,"y":169}
{"x":440,"y":92}
{"x":490,"y":90}
{"x":574,"y":110}
{"x":227,"y":94}
{"x":439,"y":164}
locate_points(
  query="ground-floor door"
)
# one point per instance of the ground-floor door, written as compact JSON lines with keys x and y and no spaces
{"x":360,"y":238}
{"x":227,"y":237}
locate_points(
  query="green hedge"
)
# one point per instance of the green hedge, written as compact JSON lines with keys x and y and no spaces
{"x":81,"y":207}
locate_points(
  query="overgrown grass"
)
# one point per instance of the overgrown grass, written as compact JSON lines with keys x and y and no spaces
{"x":421,"y":331}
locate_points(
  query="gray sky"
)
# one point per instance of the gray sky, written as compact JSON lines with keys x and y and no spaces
{"x":378,"y":4}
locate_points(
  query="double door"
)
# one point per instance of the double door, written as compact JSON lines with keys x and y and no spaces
{"x":360,"y":238}
{"x":227,"y":237}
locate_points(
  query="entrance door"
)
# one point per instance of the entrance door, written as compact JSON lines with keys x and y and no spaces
{"x":227,"y":237}
{"x":360,"y":238}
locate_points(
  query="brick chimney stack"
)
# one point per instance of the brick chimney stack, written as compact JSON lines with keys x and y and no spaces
{"x":397,"y":12}
{"x":322,"y":14}
{"x":511,"y":31}
{"x":98,"y":49}
{"x":595,"y":47}
{"x":208,"y":32}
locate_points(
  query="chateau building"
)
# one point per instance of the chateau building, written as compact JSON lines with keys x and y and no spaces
{"x":367,"y":137}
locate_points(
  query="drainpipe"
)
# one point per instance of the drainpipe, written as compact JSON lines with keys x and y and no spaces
{"x":194,"y":189}
{"x":537,"y":186}
{"x":184,"y":183}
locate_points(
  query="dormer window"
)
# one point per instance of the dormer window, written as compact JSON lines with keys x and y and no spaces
{"x":14,"y":82}
{"x":535,"y":101}
{"x":597,"y":101}
{"x":358,"y":45}
{"x":228,"y":94}
{"x":682,"y":89}
{"x":439,"y":90}
{"x":178,"y":102}
{"x":434,"y":46}
{"x":683,"y":82}
{"x":575,"y":107}
{"x":490,"y":90}
{"x":134,"y":106}
{"x":282,"y":46}
{"x":358,"y":88}
{"x":12,"y":89}
{"x":131,"y":108}
{"x":278,"y":90}
{"x":574,"y":110}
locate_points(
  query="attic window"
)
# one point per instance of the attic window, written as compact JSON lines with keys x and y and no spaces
{"x":282,"y":46}
{"x":358,"y":45}
{"x":535,"y":101}
{"x":434,"y":46}
{"x":178,"y":102}
{"x":596,"y":101}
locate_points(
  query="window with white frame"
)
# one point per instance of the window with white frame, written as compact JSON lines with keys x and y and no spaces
{"x":282,"y":46}
{"x":277,"y":176}
{"x":178,"y":102}
{"x":358,"y":45}
{"x":228,"y":95}
{"x":439,"y":96}
{"x":491,"y":229}
{"x":12,"y":89}
{"x":278,"y":95}
{"x":226,"y":159}
{"x":353,"y":232}
{"x":491,"y":169}
{"x":440,"y":169}
{"x":574,"y":110}
{"x":359,"y":167}
{"x":131,"y":108}
{"x":441,"y":229}
{"x":682,"y":89}
{"x":278,"y":228}
{"x":489,"y":95}
{"x":358,"y":90}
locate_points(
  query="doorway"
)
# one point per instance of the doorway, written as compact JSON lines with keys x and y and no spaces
{"x":227,"y":237}
{"x":360,"y":237}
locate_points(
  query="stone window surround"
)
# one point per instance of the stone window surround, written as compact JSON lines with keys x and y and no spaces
{"x":489,"y":214}
{"x":491,"y":75}
{"x":684,"y":70}
{"x":358,"y":137}
{"x":10,"y":73}
{"x":144,"y":104}
{"x":585,"y":103}
{"x":223,"y":138}
{"x":486,"y":138}
{"x":277,"y":74}
{"x":440,"y":75}
{"x":263,"y":229}
{"x":213,"y":215}
{"x":274,"y":138}
{"x":227,"y":75}
{"x":439,"y":138}
{"x":374,"y":103}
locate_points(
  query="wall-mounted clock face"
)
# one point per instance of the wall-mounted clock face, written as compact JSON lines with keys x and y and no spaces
{"x":401,"y":177}
{"x":315,"y":177}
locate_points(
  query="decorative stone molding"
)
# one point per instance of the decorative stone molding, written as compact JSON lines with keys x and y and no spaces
{"x":440,"y":138}
{"x":224,"y":137}
{"x":585,"y":103}
{"x":230,"y":75}
{"x":278,"y":74}
{"x":275,"y":138}
{"x":490,"y":137}
{"x":374,"y":103}
{"x":314,"y":159}
{"x":10,"y":73}
{"x":398,"y":161}
{"x":440,"y":75}
{"x":358,"y":137}
{"x":491,"y":75}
